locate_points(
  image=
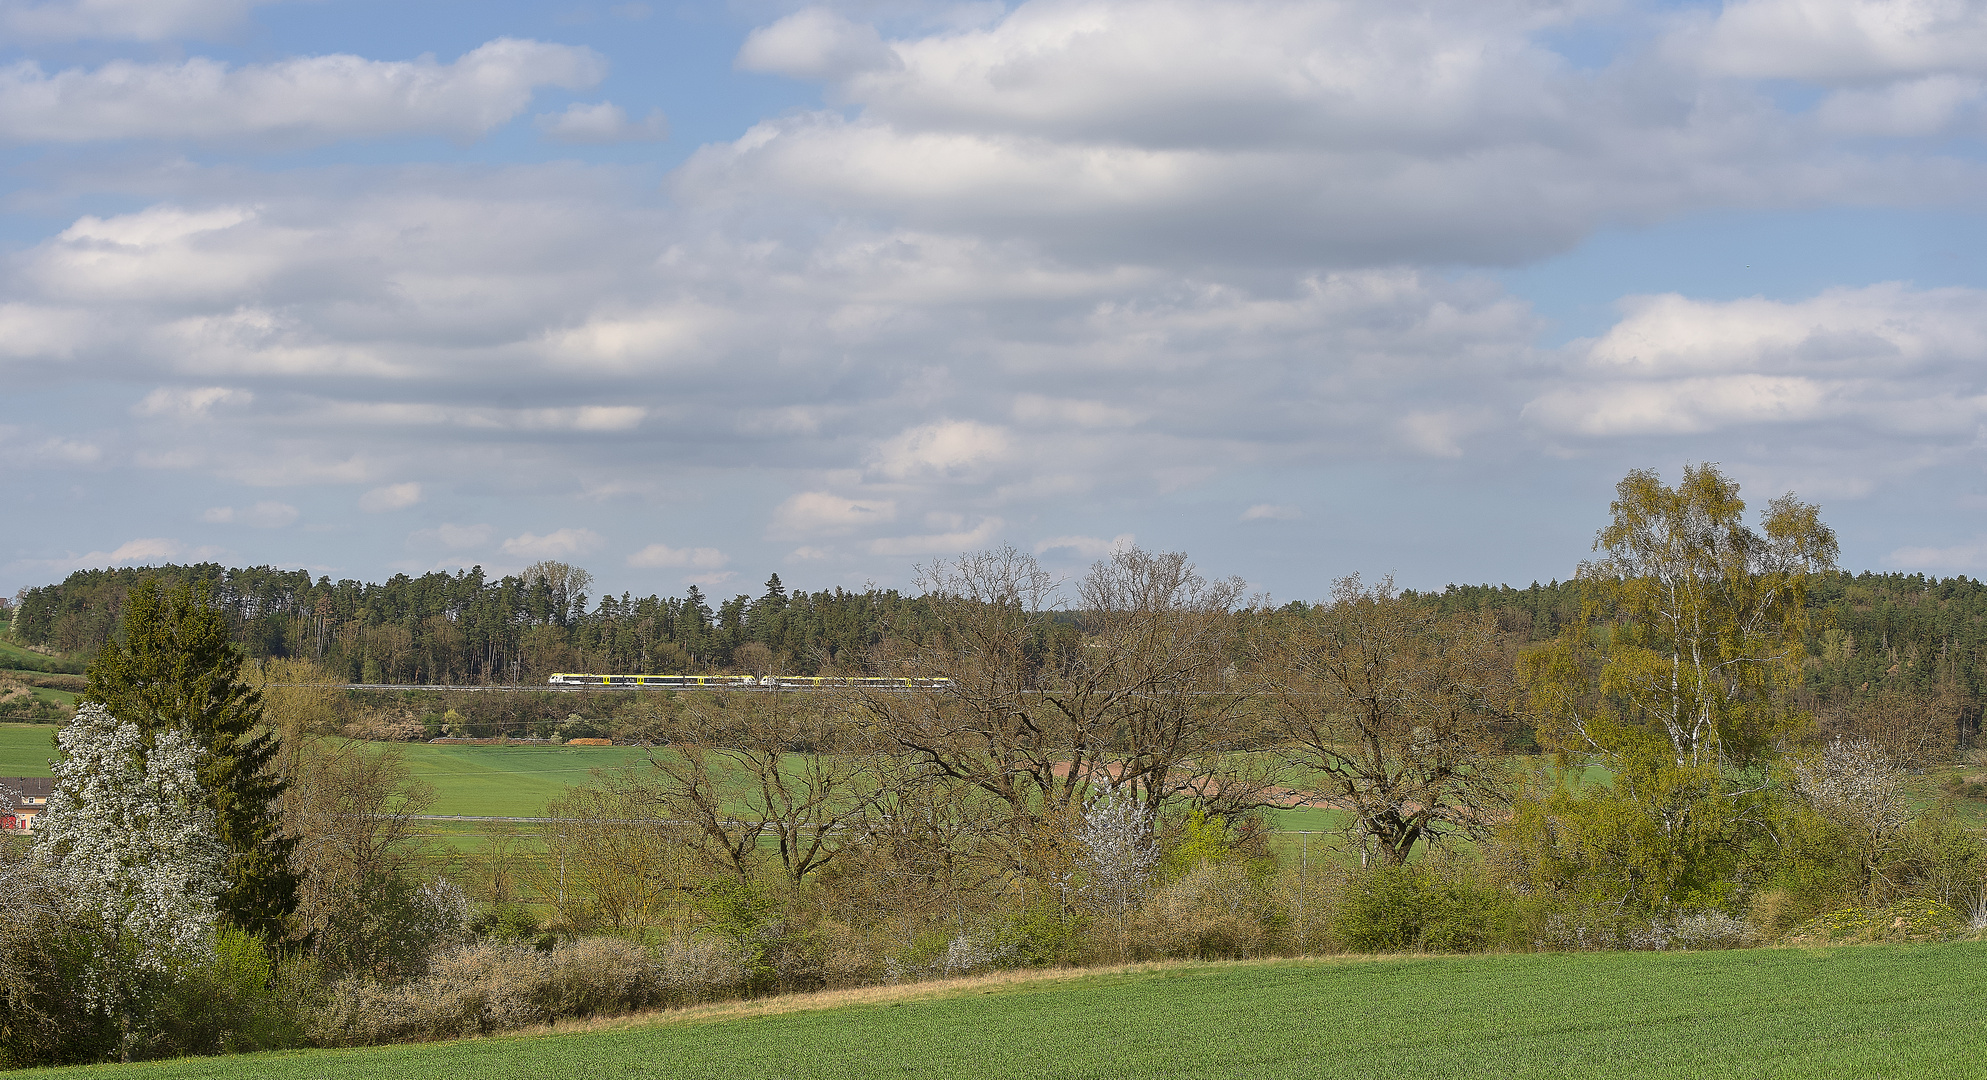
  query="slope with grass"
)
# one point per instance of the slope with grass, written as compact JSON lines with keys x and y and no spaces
{"x":1894,"y":1011}
{"x":16,"y":657}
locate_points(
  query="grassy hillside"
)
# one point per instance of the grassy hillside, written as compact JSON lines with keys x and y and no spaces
{"x":1894,"y":1011}
{"x":15,"y":657}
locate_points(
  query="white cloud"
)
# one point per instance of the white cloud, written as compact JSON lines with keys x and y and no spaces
{"x":455,"y":537}
{"x":589,"y":418}
{"x":1086,"y":547}
{"x":945,"y":543}
{"x":815,"y":43}
{"x":28,"y":331}
{"x":263,"y":515}
{"x":1959,"y":558}
{"x":1037,"y":409}
{"x":1076,"y":253}
{"x":1885,"y":358}
{"x":819,"y":513}
{"x":662,"y":555}
{"x":1917,"y":108}
{"x":711,"y":580}
{"x":1347,"y":133}
{"x":146,"y":551}
{"x":1839,"y":40}
{"x":189,"y":403}
{"x":301,"y":467}
{"x":562,"y":544}
{"x":304,"y":100}
{"x":126,"y":20}
{"x":600,"y":123}
{"x":68,"y":451}
{"x":949,"y":448}
{"x":1272,"y":512}
{"x":390,"y":497}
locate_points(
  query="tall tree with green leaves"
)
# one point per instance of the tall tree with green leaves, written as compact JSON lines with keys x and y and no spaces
{"x":174,"y":669}
{"x":1677,"y":683}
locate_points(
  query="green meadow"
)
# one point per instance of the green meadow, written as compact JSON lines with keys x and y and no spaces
{"x":1890,"y":1011}
{"x":25,"y":749}
{"x":17,"y":657}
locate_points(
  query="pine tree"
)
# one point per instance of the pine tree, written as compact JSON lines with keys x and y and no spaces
{"x":174,"y":669}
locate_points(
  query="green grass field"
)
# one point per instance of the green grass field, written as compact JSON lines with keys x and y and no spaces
{"x":1890,"y":1011}
{"x":507,"y":781}
{"x":19,"y":656}
{"x":25,"y":749}
{"x":482,"y":781}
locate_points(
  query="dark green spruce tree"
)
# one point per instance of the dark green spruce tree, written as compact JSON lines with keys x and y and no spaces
{"x":174,"y":667}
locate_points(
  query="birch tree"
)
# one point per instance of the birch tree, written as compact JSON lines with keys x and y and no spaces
{"x":1705,"y":613}
{"x":129,"y":833}
{"x":1676,"y":684}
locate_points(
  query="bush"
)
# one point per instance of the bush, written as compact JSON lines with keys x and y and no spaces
{"x":1213,"y":911}
{"x":236,"y":1001}
{"x":699,"y":969}
{"x":506,"y":922}
{"x":1911,"y":919}
{"x":495,"y":986}
{"x":1413,"y":909}
{"x":1710,"y":929}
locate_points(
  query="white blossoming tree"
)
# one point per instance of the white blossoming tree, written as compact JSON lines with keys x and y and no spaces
{"x":1119,"y":854}
{"x":1855,"y":784}
{"x":130,"y":836}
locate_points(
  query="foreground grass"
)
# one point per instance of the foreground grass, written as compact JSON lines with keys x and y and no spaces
{"x":1894,"y":1011}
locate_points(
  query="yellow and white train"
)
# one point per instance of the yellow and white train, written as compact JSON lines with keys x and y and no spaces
{"x":747,"y":682}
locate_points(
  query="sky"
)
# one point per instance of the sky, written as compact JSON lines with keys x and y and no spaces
{"x":696,"y":293}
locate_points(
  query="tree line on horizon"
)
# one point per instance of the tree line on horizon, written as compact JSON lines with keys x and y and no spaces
{"x":1869,"y":635}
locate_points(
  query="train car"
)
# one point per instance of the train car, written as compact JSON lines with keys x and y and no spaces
{"x":746,"y":682}
{"x":563,"y":678}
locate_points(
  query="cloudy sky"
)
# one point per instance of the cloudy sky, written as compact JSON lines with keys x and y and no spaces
{"x":699,"y":292}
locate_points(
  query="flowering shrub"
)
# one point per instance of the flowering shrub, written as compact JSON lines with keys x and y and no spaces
{"x":490,"y":986}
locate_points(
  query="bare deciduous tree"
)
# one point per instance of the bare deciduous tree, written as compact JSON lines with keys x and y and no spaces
{"x":1912,"y":729}
{"x":1389,"y":711}
{"x":766,"y":767}
{"x":1039,"y":706}
{"x":613,"y":857}
{"x":353,"y":810}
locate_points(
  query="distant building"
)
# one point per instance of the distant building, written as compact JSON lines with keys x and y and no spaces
{"x":22,"y":799}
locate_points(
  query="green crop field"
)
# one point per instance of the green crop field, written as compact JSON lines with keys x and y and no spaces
{"x":25,"y":749}
{"x":1891,"y":1011}
{"x":507,"y":781}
